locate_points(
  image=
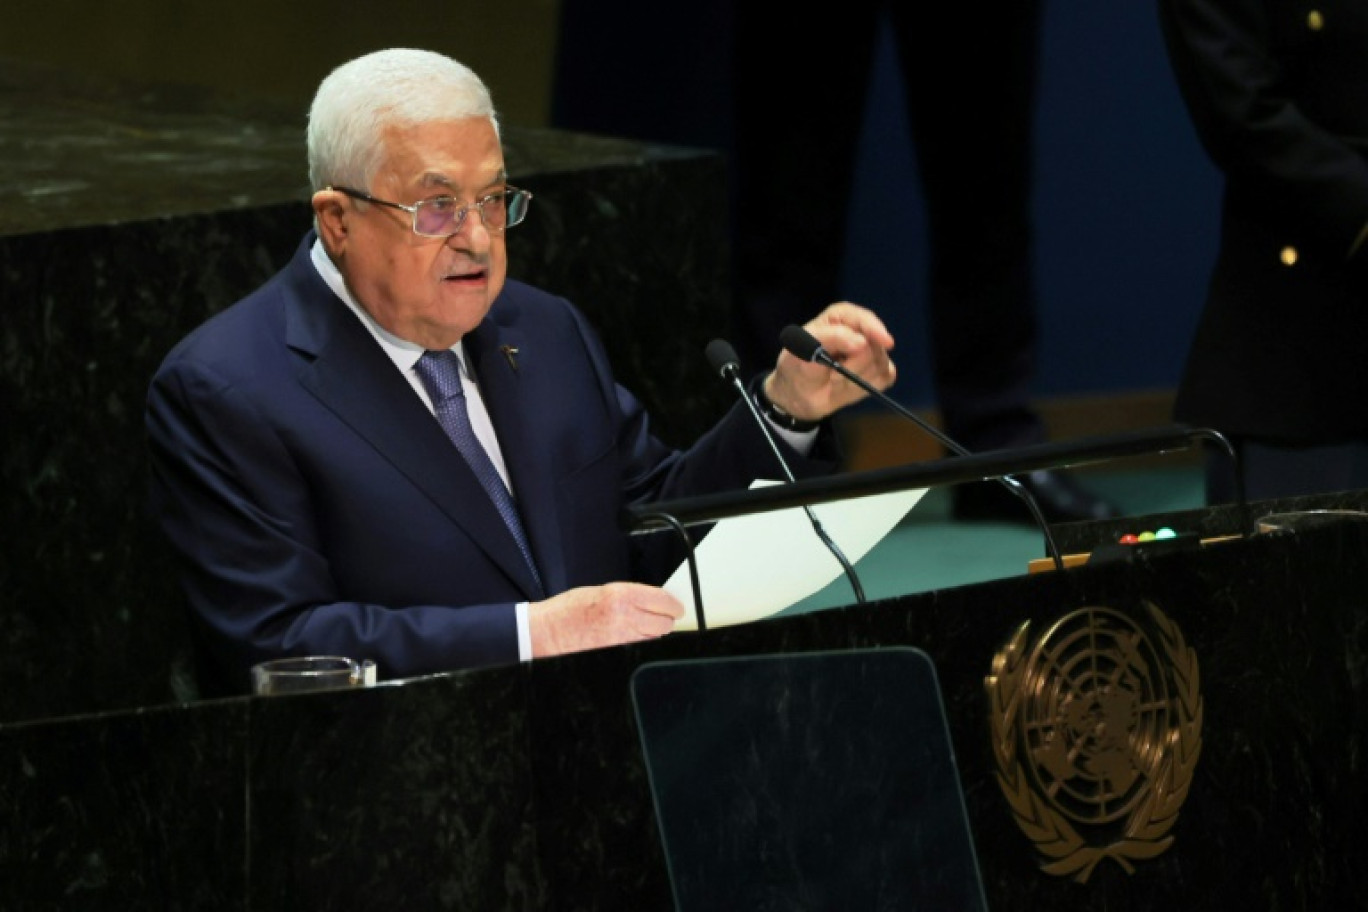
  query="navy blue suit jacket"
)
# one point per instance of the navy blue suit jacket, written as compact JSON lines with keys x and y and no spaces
{"x":1276,"y":90}
{"x":320,"y":509}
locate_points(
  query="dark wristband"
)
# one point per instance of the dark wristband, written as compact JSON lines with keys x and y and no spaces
{"x":780,"y":417}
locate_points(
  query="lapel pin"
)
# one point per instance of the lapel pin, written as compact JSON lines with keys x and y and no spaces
{"x":511,"y":353}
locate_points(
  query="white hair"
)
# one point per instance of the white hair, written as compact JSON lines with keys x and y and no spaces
{"x":399,"y":86}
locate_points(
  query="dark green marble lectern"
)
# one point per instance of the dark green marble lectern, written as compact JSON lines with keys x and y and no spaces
{"x":527,"y":788}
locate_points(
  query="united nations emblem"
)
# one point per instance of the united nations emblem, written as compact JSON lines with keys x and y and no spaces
{"x":1096,"y":729}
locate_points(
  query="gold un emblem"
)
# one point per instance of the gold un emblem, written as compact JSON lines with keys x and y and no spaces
{"x":1096,"y":729}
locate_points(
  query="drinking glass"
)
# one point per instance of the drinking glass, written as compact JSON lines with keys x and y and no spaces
{"x":300,"y":674}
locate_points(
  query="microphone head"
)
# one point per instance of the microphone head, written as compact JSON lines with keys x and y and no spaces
{"x":723,"y":358}
{"x":800,"y":343}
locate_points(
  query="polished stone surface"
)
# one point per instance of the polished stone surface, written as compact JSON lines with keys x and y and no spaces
{"x":525,"y":788}
{"x":82,"y":151}
{"x":141,"y":809}
{"x":130,"y":213}
{"x":1205,"y":523}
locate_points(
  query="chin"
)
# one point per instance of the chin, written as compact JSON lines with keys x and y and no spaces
{"x":462,"y":318}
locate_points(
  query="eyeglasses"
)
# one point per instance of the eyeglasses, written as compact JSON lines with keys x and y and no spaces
{"x":442,"y":216}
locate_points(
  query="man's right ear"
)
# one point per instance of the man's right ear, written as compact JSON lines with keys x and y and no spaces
{"x":330,"y":216}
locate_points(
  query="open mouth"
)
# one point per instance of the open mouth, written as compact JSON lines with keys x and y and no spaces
{"x":472,"y":276}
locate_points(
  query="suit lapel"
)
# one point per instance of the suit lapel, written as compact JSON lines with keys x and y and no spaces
{"x":351,"y":375}
{"x":505,"y":368}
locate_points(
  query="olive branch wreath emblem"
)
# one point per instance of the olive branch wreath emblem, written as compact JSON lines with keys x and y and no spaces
{"x":1144,"y":834}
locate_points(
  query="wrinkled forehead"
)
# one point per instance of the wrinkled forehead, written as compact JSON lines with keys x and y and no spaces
{"x":446,"y":156}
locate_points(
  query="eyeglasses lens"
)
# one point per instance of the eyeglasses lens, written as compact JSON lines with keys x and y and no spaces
{"x":443,"y":217}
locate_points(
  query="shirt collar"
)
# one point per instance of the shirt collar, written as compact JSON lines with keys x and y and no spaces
{"x":403,"y":353}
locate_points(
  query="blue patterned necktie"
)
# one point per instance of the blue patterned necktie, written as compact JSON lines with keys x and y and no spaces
{"x":440,"y":372}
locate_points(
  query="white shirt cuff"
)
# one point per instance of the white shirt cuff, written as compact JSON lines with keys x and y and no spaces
{"x":524,"y":632}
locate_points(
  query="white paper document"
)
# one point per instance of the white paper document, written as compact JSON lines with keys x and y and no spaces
{"x":751,"y":567}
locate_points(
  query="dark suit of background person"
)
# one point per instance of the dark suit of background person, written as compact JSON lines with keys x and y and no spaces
{"x":319,"y":508}
{"x":968,"y":81}
{"x":1278,"y":93}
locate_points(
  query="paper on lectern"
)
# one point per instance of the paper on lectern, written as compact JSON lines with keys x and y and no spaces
{"x":750,"y":567}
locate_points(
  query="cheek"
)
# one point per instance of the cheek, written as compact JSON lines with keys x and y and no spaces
{"x":407,"y":273}
{"x":396,"y":282}
{"x":371,"y":261}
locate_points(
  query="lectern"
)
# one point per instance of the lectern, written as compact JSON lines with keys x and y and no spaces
{"x":530,"y":787}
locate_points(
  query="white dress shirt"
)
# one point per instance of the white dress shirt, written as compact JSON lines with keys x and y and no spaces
{"x":405,"y":355}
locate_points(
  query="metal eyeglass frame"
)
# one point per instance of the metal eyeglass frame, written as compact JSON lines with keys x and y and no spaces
{"x":515,"y":201}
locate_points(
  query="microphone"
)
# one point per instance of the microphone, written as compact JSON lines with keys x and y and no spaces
{"x":802,"y":344}
{"x":723,"y":359}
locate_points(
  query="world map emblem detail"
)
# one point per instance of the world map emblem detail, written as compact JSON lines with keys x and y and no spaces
{"x":1096,"y":731}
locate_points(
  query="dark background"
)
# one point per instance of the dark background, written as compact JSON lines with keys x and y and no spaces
{"x":1126,"y":202}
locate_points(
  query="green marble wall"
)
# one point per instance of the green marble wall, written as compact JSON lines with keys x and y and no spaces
{"x":280,"y":51}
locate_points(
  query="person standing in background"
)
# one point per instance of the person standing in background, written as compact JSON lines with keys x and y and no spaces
{"x":1278,"y":95}
{"x":798,"y":98}
{"x":969,"y":86}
